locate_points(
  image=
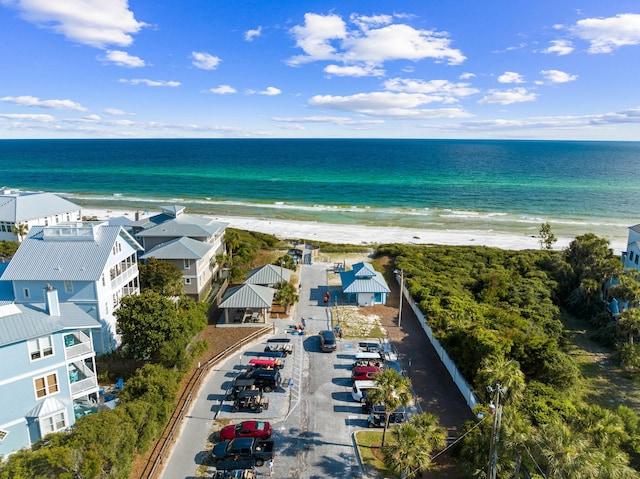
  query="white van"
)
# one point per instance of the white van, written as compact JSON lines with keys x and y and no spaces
{"x":359,"y":390}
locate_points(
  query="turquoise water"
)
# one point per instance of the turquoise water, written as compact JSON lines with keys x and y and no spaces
{"x":499,"y":186}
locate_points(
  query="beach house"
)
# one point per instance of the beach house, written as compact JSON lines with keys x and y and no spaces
{"x":91,"y":264}
{"x":189,"y":242}
{"x":631,"y":257}
{"x":364,"y":285}
{"x":22,"y":210}
{"x":48,"y":375}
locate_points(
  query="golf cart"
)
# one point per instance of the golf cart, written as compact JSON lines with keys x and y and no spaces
{"x":250,"y":400}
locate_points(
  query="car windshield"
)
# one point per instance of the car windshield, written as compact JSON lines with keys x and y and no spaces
{"x":260,"y":426}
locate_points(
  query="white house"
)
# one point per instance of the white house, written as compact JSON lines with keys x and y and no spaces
{"x":91,"y":264}
{"x":631,"y":257}
{"x":32,"y":209}
{"x":48,"y":375}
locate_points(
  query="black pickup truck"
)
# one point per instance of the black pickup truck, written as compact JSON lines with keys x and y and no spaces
{"x":244,"y":448}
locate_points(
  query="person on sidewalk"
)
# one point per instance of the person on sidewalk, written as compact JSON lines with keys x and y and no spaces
{"x":270,"y":466}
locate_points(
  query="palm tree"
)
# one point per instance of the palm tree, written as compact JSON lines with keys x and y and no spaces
{"x":505,"y":372}
{"x":630,"y":323}
{"x":232,"y":240}
{"x":568,"y":453}
{"x":392,"y":391}
{"x":409,"y":453}
{"x":20,"y":229}
{"x":285,"y":294}
{"x":517,"y":433}
{"x":430,"y":429}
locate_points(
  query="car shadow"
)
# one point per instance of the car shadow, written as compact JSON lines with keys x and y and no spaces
{"x":345,"y":381}
{"x":343,"y":396}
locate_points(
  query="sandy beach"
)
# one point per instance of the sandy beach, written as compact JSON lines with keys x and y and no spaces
{"x":362,"y":235}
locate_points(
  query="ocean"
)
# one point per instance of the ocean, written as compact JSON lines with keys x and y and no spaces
{"x":495,"y":186}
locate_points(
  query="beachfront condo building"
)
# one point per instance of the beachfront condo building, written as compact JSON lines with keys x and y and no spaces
{"x":22,"y":210}
{"x":48,"y":375}
{"x":91,"y":264}
{"x":189,"y":242}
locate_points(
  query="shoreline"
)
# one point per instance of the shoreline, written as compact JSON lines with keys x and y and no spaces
{"x":360,"y":234}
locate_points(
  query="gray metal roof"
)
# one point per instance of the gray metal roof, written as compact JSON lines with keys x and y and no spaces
{"x":248,"y":296}
{"x":185,"y":225}
{"x":354,"y":282}
{"x":181,"y":248}
{"x":20,"y":322}
{"x":24,"y":206}
{"x":43,"y":256}
{"x":635,"y":228}
{"x":268,"y":274}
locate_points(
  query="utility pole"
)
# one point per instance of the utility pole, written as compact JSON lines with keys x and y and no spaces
{"x":496,"y":410}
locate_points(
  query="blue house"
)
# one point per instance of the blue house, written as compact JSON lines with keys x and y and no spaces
{"x":48,"y":375}
{"x":91,"y":264}
{"x":364,"y":285}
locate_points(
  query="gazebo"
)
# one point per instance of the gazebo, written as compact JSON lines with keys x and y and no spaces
{"x":268,"y":275}
{"x":247,"y":303}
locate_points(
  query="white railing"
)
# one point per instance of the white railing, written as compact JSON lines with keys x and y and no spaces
{"x":84,"y":346}
{"x":84,"y":385}
{"x":125,"y":276}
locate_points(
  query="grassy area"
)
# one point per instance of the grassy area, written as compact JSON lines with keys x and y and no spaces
{"x":368,"y":443}
{"x":355,"y":325}
{"x":604,"y":382}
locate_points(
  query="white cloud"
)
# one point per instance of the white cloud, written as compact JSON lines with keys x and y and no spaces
{"x":97,"y":23}
{"x":122,"y":59}
{"x":366,"y":22}
{"x":336,"y":120}
{"x":467,"y":76}
{"x":510,"y":77}
{"x":607,"y":34}
{"x":222,"y":90}
{"x":205,"y":61}
{"x":29,"y":117}
{"x":506,"y":97}
{"x":560,"y":47}
{"x":116,"y":111}
{"x":144,"y":81}
{"x":389,"y":104}
{"x":370,"y":42}
{"x":270,"y":91}
{"x":353,"y":70}
{"x":249,"y":35}
{"x":557,"y":76}
{"x":315,"y":35}
{"x":439,"y":90}
{"x":52,"y":104}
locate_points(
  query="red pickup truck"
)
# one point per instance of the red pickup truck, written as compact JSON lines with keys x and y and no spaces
{"x":259,"y":429}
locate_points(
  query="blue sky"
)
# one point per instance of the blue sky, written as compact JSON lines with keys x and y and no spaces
{"x":377,"y":69}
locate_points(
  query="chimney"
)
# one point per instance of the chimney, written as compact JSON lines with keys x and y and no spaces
{"x":51,"y":300}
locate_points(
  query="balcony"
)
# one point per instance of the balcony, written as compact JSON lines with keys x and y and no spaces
{"x":124,"y":274}
{"x":82,"y":380}
{"x":77,"y":344}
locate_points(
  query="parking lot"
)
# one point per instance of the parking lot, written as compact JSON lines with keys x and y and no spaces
{"x":313,"y":419}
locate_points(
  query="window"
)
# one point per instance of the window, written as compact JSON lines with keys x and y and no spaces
{"x":187,"y":281}
{"x":104,"y":283}
{"x":637,"y":259}
{"x":187,"y":264}
{"x":46,"y":385}
{"x":52,"y":423}
{"x":40,"y":348}
{"x":3,"y":434}
{"x":68,"y":217}
{"x":26,"y":293}
{"x":68,"y":287}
